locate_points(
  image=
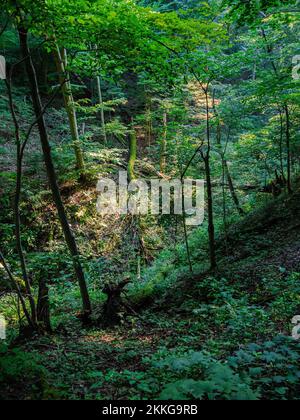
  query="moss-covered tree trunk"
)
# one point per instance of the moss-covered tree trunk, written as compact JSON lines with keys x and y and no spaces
{"x":132,"y":154}
{"x":61,"y":63}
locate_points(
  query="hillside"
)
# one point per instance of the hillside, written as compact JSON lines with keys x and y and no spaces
{"x":225,"y":334}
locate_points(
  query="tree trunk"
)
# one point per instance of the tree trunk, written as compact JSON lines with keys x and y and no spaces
{"x":163,"y":150}
{"x":99,"y":90}
{"x":232,"y":189}
{"x":132,"y":154}
{"x":114,"y":304}
{"x":69,"y":237}
{"x":61,"y":63}
{"x":186,"y":239}
{"x":224,"y":207}
{"x":17,"y":204}
{"x":149,"y":126}
{"x":206,"y":158}
{"x":19,"y":240}
{"x":226,"y":170}
{"x":211,"y":226}
{"x":288,"y":147}
{"x":281,"y":146}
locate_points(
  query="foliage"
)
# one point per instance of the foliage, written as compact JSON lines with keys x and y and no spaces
{"x":273,"y":367}
{"x":212,"y":83}
{"x":20,"y":369}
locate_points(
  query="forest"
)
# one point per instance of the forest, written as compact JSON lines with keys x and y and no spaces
{"x":149,"y":200}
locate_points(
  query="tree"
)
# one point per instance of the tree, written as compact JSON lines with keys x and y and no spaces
{"x":69,"y":237}
{"x":99,"y":90}
{"x":64,"y":78}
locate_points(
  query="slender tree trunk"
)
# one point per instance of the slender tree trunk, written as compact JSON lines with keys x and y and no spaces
{"x":186,"y":239}
{"x":100,"y":97}
{"x":211,"y":226}
{"x":286,"y":110}
{"x":281,"y":146}
{"x":206,"y":158}
{"x":232,"y":189}
{"x":61,"y":63}
{"x":19,"y":240}
{"x":17,"y":205}
{"x":163,"y":149}
{"x":224,"y":207}
{"x":288,"y":147}
{"x":132,"y":154}
{"x":149,"y":121}
{"x":225,"y":167}
{"x":136,"y":219}
{"x":69,"y":237}
{"x":233,"y":193}
{"x":269,"y":49}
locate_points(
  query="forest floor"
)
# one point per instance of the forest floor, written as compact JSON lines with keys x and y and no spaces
{"x":239,"y":316}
